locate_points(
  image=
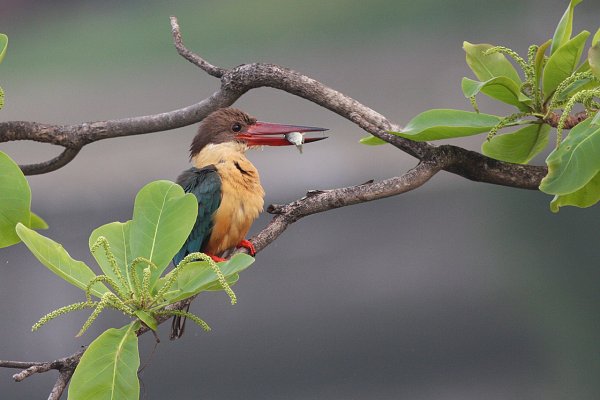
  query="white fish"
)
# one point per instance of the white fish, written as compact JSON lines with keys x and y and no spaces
{"x":296,"y":139}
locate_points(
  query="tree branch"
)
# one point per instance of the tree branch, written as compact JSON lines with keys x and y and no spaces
{"x":57,"y":162}
{"x":570,"y":122}
{"x":317,"y":201}
{"x":65,"y":367}
{"x":234,"y":83}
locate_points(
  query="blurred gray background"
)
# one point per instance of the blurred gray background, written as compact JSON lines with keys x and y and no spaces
{"x":455,"y":291}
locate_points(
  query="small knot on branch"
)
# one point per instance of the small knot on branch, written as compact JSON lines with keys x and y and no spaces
{"x":275,"y":209}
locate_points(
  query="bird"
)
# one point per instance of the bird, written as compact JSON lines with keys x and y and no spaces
{"x":226,"y":184}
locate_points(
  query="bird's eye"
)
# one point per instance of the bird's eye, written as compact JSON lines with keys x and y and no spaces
{"x":236,"y":127}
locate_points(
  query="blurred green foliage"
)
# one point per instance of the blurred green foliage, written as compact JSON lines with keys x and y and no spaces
{"x":235,"y":31}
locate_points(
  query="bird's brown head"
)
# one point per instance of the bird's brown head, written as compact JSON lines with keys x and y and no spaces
{"x":233,"y":125}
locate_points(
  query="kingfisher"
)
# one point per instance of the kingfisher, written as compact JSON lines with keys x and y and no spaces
{"x":226,"y":184}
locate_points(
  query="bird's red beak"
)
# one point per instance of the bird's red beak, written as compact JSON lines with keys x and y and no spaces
{"x":258,"y":134}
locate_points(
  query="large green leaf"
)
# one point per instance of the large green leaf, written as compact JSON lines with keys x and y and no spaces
{"x":57,"y":260}
{"x":444,"y":124}
{"x":499,"y":88}
{"x":108,"y":368}
{"x":198,"y":276}
{"x":117,"y":235}
{"x":3,"y":45}
{"x":489,"y":66}
{"x":562,"y":63}
{"x":163,"y":217}
{"x":587,"y":196}
{"x":575,"y":162}
{"x":15,"y":200}
{"x":518,"y":147}
{"x":563,"y":31}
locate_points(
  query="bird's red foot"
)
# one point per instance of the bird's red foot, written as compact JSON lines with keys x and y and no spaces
{"x":217,"y":258}
{"x":248,"y":245}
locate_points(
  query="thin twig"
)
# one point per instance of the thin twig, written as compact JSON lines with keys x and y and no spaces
{"x":195,"y":59}
{"x":67,"y":155}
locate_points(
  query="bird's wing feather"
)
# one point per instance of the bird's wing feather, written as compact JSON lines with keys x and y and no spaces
{"x":205,"y":184}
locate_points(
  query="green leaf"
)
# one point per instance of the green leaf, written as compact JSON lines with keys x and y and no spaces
{"x":163,"y":217}
{"x":147,"y":319}
{"x":539,"y":59}
{"x":594,"y":59}
{"x":587,"y":196}
{"x":596,"y":119}
{"x":372,"y":141}
{"x":596,"y":37}
{"x":562,"y":63}
{"x":198,"y":276}
{"x":518,"y":147}
{"x":444,"y":124}
{"x":117,"y":235}
{"x":57,"y":260}
{"x":489,"y":66}
{"x":36,"y":222}
{"x":15,"y":200}
{"x":108,"y":368}
{"x":3,"y":45}
{"x":499,"y":88}
{"x":216,"y":286}
{"x":563,"y":31}
{"x":575,"y":162}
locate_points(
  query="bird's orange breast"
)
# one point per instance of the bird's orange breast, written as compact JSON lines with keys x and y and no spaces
{"x":242,"y":198}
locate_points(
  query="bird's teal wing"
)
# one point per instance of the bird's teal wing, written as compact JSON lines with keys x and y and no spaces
{"x":205,"y":184}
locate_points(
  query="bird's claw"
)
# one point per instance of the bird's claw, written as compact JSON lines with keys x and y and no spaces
{"x":247,"y":245}
{"x":217,"y":258}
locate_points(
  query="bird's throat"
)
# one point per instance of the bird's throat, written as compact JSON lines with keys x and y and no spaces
{"x":214,"y":154}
